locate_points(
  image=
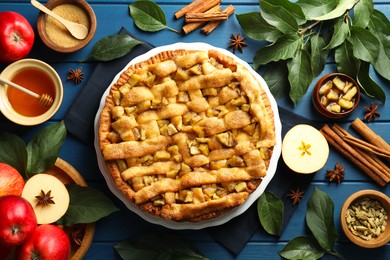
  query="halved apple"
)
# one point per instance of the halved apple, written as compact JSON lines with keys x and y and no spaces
{"x":48,"y":196}
{"x":304,"y":149}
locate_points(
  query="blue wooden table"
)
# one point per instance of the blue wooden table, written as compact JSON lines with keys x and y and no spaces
{"x":114,"y":14}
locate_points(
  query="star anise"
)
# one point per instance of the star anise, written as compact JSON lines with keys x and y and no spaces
{"x":371,"y":112}
{"x":76,"y":75}
{"x":296,"y":196}
{"x":336,"y":174}
{"x":44,"y":199}
{"x":237,"y":42}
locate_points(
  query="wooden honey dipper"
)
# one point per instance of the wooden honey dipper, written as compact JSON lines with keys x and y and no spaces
{"x":44,"y":100}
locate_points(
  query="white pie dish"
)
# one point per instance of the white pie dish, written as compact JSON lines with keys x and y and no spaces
{"x":209,"y":222}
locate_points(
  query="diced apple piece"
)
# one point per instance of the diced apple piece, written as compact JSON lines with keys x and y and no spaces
{"x":326,"y":88}
{"x":338,"y":83}
{"x":57,"y":197}
{"x":324,"y":100}
{"x":345,"y":104}
{"x":334,"y":107}
{"x":347,"y":86}
{"x":350,"y":93}
{"x":304,"y":149}
{"x":332,"y":95}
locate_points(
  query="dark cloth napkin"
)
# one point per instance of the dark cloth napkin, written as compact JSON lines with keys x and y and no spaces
{"x":233,"y":235}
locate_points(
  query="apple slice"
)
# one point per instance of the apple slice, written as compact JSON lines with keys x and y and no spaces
{"x":304,"y":149}
{"x":48,"y":196}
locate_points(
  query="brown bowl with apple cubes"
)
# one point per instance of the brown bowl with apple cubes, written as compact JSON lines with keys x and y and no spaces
{"x":336,"y":95}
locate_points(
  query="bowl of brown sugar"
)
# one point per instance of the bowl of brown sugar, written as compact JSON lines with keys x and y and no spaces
{"x":55,"y":35}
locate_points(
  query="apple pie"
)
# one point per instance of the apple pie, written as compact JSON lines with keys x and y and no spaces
{"x":187,"y":135}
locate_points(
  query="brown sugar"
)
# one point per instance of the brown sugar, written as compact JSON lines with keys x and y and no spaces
{"x":57,"y":33}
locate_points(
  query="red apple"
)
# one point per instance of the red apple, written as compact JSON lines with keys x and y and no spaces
{"x":16,"y":36}
{"x":48,"y":242}
{"x":17,"y":221}
{"x":11,"y":181}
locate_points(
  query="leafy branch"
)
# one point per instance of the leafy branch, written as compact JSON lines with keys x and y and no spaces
{"x":301,"y":36}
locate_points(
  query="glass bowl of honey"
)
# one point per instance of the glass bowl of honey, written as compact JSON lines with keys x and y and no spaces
{"x":38,"y":77}
{"x":336,"y":95}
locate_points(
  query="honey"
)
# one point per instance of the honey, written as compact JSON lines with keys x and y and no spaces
{"x":36,"y":81}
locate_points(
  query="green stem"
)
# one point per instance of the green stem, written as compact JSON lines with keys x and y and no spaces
{"x":85,"y":59}
{"x":173,"y":30}
{"x":304,"y":30}
{"x":336,"y":254}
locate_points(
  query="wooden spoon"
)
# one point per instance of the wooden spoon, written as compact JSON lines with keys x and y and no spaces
{"x":78,"y":31}
{"x":44,"y":100}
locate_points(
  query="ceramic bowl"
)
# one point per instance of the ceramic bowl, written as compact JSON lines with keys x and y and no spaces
{"x":316,"y":97}
{"x":384,"y":200}
{"x":69,"y":175}
{"x":85,"y":232}
{"x":42,"y":19}
{"x":13,"y":69}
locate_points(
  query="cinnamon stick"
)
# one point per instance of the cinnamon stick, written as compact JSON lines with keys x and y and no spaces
{"x":198,"y":6}
{"x":350,"y":153}
{"x":189,"y":27}
{"x":378,"y":169}
{"x":188,"y":8}
{"x":360,"y":127}
{"x":360,"y":143}
{"x":205,"y":17}
{"x":210,"y":26}
{"x":371,"y":158}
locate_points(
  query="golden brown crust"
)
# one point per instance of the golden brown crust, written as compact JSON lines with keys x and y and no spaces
{"x":187,"y":135}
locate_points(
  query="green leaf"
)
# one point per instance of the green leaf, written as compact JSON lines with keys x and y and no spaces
{"x":319,"y":55}
{"x":346,"y":62}
{"x":13,"y":151}
{"x":365,"y":44}
{"x":158,"y":246}
{"x":362,"y":12}
{"x":87,"y":205}
{"x":300,"y":75}
{"x":302,"y":247}
{"x":320,"y":219}
{"x":257,"y":28}
{"x":279,"y":17}
{"x":43,"y":149}
{"x":340,"y":10}
{"x":148,"y":16}
{"x":379,"y":25}
{"x":340,"y":33}
{"x":318,"y":7}
{"x":113,"y":46}
{"x":284,"y":48}
{"x":368,"y":84}
{"x":270,"y":209}
{"x":276,"y":78}
{"x":293,"y":8}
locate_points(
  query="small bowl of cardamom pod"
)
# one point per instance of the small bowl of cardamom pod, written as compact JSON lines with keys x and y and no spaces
{"x":365,"y":218}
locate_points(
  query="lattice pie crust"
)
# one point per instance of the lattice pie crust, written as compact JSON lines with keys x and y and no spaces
{"x":187,"y":135}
